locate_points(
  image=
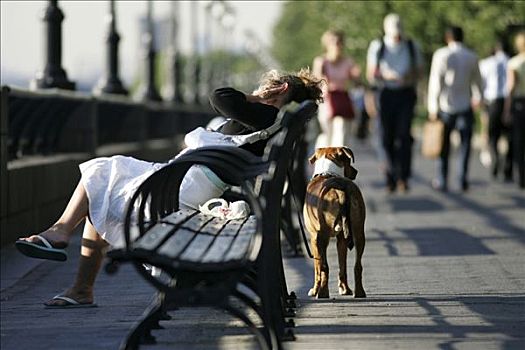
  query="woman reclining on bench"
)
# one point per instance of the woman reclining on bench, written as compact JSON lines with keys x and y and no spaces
{"x":108,"y":183}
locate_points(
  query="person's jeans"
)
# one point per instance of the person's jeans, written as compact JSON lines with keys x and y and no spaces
{"x":496,"y":130}
{"x":464,"y":123}
{"x":518,"y":137}
{"x":396,"y":114}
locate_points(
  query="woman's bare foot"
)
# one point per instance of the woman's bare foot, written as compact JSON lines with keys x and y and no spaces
{"x":82,"y":297}
{"x":57,"y":236}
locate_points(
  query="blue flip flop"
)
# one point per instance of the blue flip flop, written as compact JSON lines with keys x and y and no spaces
{"x":43,"y":250}
{"x":70,"y":303}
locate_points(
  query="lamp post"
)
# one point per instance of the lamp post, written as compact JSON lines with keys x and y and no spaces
{"x":149,"y":92}
{"x":53,"y":75}
{"x":171,"y":90}
{"x":111,"y":83}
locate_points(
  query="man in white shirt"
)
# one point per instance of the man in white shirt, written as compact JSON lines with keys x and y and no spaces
{"x":454,"y":73}
{"x":493,"y":72}
{"x":394,"y":64}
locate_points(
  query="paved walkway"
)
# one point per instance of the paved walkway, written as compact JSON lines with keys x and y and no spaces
{"x":442,"y":271}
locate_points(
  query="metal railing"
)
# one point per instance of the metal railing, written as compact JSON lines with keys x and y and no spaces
{"x":54,"y":121}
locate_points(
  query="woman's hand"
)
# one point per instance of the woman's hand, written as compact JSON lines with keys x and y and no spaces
{"x":273,"y":96}
{"x":269,"y":92}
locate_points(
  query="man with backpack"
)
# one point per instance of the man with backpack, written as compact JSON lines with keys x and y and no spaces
{"x":394,"y":64}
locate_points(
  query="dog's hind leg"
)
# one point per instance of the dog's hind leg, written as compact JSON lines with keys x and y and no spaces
{"x":359,"y":241}
{"x":319,"y":247}
{"x":323,"y":289}
{"x":317,"y":266}
{"x":342,"y":251}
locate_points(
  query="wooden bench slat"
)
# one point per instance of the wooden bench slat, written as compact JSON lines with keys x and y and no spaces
{"x":197,"y":248}
{"x":218,"y":250}
{"x":214,"y":227}
{"x":207,"y":238}
{"x":197,"y":222}
{"x":238,"y":248}
{"x":177,"y":243}
{"x":229,"y":228}
{"x":179,"y":216}
{"x":241,"y":243}
{"x":223,"y":242}
{"x":184,"y":235}
{"x":154,"y":237}
{"x":159,"y":232}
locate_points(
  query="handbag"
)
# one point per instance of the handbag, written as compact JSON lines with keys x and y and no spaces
{"x":432,"y":143}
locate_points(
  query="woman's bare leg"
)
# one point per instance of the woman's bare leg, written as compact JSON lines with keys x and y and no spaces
{"x":61,"y":231}
{"x":91,"y":256}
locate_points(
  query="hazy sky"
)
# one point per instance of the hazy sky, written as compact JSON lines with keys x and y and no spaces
{"x":84,"y":30}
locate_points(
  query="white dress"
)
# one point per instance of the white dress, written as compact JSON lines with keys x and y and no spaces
{"x":110,"y":182}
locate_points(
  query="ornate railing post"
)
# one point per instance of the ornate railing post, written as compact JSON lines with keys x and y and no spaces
{"x":53,"y":75}
{"x":149,"y":91}
{"x":111,"y":83}
{"x":171,"y":89}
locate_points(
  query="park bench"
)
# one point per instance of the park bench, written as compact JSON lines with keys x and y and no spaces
{"x":235,"y":265}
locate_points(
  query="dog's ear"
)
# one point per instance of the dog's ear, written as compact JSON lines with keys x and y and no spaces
{"x":349,"y":154}
{"x":313,"y":158}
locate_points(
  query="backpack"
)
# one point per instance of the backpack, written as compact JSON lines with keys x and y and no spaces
{"x":411,"y":50}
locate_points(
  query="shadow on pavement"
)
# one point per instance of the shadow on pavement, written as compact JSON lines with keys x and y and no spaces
{"x":440,"y":241}
{"x":492,"y":217}
{"x":414,"y":204}
{"x":501,"y":315}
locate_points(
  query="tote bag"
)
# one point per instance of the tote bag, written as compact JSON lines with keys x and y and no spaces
{"x":432,"y":138}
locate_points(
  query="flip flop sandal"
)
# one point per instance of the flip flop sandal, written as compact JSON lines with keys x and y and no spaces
{"x":70,"y":303}
{"x":43,"y":250}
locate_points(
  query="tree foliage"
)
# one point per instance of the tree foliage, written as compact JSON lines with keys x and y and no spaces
{"x":298,"y":31}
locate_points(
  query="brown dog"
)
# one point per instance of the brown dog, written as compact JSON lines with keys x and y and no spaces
{"x":334,"y":206}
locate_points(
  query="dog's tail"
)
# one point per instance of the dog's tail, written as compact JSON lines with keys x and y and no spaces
{"x":342,"y":219}
{"x":347,"y":230}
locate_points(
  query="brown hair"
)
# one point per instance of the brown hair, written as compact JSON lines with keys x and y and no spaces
{"x":302,"y":85}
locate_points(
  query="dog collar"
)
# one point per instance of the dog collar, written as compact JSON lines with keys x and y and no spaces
{"x":326,"y":166}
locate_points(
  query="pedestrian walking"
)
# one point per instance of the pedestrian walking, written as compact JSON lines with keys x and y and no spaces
{"x":493,"y":71}
{"x":453,"y":74}
{"x":338,"y":70}
{"x":515,"y":106}
{"x":394,"y":65}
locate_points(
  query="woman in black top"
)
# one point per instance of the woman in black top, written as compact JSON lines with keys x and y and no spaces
{"x":108,"y":183}
{"x":256,"y":111}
